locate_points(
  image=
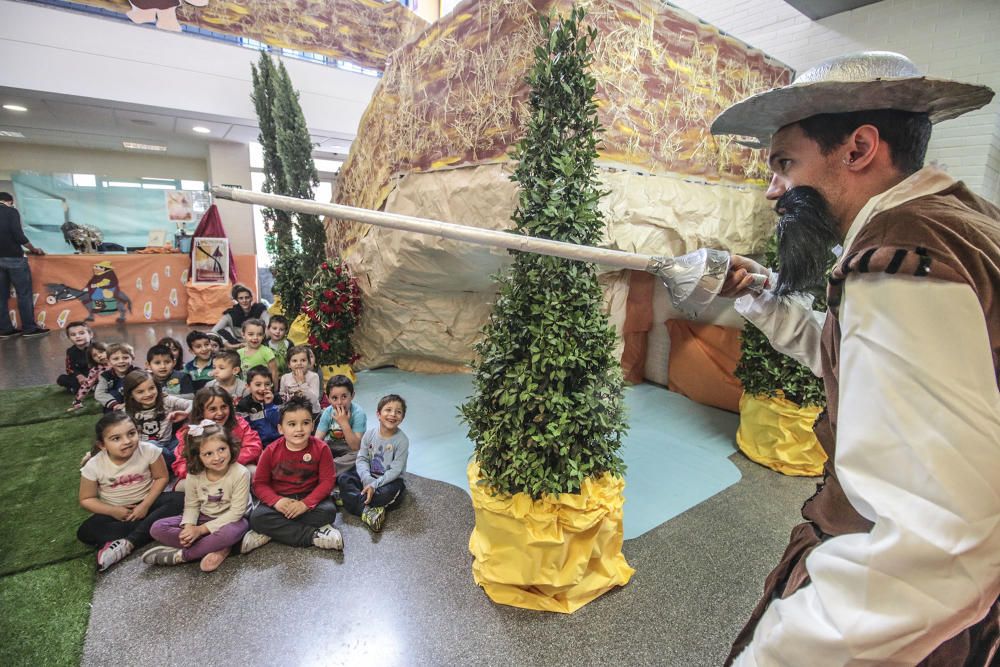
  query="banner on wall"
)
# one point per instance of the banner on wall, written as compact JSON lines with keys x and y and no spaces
{"x":105,"y":289}
{"x":114,"y":288}
{"x":210,"y":261}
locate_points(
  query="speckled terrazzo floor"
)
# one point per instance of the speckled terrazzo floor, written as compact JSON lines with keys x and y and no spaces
{"x":406,"y":596}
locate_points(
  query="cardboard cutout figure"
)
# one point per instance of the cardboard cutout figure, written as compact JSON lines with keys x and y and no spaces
{"x":161,"y":12}
{"x":101,"y":294}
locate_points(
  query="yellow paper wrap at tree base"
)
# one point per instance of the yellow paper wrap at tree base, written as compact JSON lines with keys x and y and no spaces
{"x":298,"y":333}
{"x":338,"y":369}
{"x":777,"y":433}
{"x":553,"y":554}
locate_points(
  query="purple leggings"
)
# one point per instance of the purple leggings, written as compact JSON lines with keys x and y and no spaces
{"x":168,"y":531}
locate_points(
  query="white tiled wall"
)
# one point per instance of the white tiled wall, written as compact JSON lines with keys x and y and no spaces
{"x":959,"y":39}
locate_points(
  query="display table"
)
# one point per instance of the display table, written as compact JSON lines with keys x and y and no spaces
{"x":116,"y":288}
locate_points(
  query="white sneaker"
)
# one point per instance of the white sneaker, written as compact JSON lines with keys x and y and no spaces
{"x":328,"y":537}
{"x":112,"y":552}
{"x":252,"y":539}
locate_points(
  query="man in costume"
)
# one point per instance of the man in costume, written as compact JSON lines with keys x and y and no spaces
{"x":898,"y":562}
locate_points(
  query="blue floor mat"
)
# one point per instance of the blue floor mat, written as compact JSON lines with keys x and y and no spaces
{"x":676,"y":450}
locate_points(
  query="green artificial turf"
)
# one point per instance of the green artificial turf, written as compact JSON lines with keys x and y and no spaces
{"x":46,"y":576}
{"x":39,"y":508}
{"x":45,"y":614}
{"x":34,"y":405}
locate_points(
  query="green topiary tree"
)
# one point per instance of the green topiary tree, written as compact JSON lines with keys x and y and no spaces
{"x":295,"y":150}
{"x":280,"y":242}
{"x":766,"y":372}
{"x":547,"y":412}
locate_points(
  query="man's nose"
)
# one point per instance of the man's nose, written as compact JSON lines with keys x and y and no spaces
{"x":775,"y":189}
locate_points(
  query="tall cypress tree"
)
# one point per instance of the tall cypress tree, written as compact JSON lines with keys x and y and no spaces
{"x":295,"y":150}
{"x":280,"y":240}
{"x":547,"y":412}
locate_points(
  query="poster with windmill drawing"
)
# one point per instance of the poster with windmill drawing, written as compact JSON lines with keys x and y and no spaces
{"x":210,"y":261}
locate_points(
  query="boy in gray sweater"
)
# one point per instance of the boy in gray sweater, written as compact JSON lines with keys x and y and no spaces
{"x":375,"y":483}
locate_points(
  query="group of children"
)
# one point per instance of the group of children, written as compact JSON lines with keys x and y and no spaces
{"x":207,"y":459}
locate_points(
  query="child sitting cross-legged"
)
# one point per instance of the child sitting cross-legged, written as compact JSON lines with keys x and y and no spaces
{"x":277,"y":332}
{"x":216,"y":496}
{"x":109,"y":385}
{"x":375,"y":483}
{"x":77,"y":357}
{"x":226,"y":371}
{"x":216,"y":341}
{"x":254,"y":351}
{"x":216,"y":404}
{"x":230,"y":324}
{"x":200,"y":367}
{"x":160,"y":361}
{"x":342,"y":423}
{"x":300,"y":380}
{"x":123,"y":485}
{"x":97,"y":353}
{"x":154,"y":411}
{"x":258,"y":407}
{"x":293,"y":482}
{"x":176,"y":351}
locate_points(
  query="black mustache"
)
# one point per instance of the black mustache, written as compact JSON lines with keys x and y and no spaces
{"x":806,"y":234}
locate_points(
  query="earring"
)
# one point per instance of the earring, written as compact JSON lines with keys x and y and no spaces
{"x":848,"y":160}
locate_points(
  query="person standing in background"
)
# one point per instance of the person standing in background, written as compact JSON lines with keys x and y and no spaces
{"x":14,"y":270}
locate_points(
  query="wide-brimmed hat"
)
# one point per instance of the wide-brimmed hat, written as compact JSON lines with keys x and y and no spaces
{"x":856,"y":82}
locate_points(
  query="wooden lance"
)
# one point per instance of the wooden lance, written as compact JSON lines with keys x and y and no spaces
{"x":693,"y":280}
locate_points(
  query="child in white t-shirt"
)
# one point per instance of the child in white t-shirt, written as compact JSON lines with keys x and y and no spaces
{"x":122,"y":484}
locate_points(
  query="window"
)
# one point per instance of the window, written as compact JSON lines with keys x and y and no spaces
{"x":85,"y":180}
{"x":331,"y":166}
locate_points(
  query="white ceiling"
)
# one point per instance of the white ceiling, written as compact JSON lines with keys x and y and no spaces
{"x":66,"y":120}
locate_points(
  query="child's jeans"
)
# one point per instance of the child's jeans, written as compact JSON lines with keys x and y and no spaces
{"x":101,"y":528}
{"x":297,"y":532}
{"x":387,"y":495}
{"x":167,"y":446}
{"x":168,"y":531}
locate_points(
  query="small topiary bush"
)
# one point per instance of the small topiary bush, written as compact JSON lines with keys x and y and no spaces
{"x":766,"y":372}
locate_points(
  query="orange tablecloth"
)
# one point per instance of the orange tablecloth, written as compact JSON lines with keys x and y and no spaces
{"x":132,"y":288}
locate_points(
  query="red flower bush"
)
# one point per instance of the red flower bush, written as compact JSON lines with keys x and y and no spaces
{"x":333,"y":307}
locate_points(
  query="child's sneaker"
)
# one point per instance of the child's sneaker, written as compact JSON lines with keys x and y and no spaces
{"x":112,"y":552}
{"x":252,"y":539}
{"x":328,"y":537}
{"x":211,"y":561}
{"x":373,"y":517}
{"x":162,"y":555}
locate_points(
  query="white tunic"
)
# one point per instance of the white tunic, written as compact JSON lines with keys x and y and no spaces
{"x":918,"y":454}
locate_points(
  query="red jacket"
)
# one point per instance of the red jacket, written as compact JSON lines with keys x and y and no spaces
{"x":282,"y":472}
{"x":249,"y":449}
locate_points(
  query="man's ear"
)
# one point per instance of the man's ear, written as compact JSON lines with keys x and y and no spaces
{"x":861,"y":147}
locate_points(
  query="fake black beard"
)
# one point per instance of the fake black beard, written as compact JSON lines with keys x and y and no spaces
{"x":807,"y":234}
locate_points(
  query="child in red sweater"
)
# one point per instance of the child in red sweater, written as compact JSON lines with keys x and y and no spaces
{"x":216,"y":404}
{"x":294,"y":479}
